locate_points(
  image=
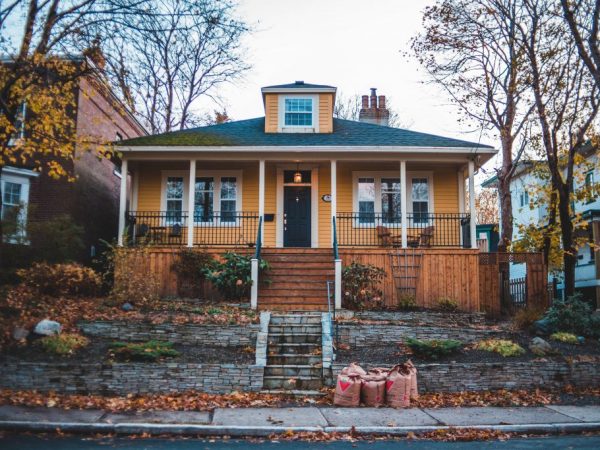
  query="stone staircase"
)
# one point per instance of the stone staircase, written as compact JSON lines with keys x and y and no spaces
{"x":294,"y":354}
{"x":297,"y":279}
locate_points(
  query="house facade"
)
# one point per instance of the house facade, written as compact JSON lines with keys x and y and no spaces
{"x":300,"y":182}
{"x":92,"y":200}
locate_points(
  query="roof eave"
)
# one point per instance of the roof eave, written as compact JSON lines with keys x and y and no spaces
{"x":303,"y":90}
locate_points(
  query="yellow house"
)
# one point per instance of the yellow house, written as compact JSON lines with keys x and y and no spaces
{"x":303,"y":190}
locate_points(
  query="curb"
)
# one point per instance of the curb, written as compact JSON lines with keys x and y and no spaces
{"x":240,"y":431}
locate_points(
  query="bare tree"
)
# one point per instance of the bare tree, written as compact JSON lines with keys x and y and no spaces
{"x":566,"y":104}
{"x":176,"y":58}
{"x":486,"y":202}
{"x":470,"y":48}
{"x":582,"y":18}
{"x":348,"y":107}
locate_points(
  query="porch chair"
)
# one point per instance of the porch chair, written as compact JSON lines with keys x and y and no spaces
{"x":387,"y":238}
{"x":423,"y":239}
{"x":175,"y":233}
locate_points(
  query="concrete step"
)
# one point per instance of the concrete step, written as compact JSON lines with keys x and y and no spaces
{"x":309,"y":319}
{"x":279,"y":306}
{"x":274,"y":349}
{"x":294,"y":371}
{"x":293,"y":359}
{"x":294,"y":392}
{"x":302,"y":328}
{"x":292,"y":383}
{"x":306,"y":338}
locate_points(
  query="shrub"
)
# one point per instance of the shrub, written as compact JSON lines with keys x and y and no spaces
{"x":567,"y":338}
{"x":63,"y":344}
{"x":433,"y":349}
{"x":190,"y":267}
{"x":360,"y":283}
{"x":525,"y":317}
{"x":447,"y":304}
{"x":407,"y":302}
{"x":131,"y":281}
{"x":57,"y":240}
{"x":61,"y":279}
{"x":572,"y":315}
{"x":503,"y":347}
{"x":144,"y":351}
{"x":232,"y":276}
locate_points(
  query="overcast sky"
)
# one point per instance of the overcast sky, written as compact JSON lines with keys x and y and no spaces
{"x":351,"y":44}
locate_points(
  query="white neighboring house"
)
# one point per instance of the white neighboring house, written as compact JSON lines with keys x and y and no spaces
{"x":525,"y":212}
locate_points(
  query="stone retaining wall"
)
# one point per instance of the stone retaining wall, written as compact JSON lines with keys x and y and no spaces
{"x":191,"y":334}
{"x":364,"y":335}
{"x":506,"y":375}
{"x":125,"y":378}
{"x":427,"y":318}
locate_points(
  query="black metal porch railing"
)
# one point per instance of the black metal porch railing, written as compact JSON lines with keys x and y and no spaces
{"x":385,"y":230}
{"x":170,"y":228}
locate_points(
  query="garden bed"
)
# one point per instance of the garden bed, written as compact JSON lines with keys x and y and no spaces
{"x":391,"y":353}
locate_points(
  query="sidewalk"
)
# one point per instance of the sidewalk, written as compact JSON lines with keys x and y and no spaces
{"x":266,"y":421}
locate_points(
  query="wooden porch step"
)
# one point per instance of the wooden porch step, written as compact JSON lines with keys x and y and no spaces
{"x":287,"y":283}
{"x":300,"y":271}
{"x":308,"y":293}
{"x":297,"y":250}
{"x":302,"y":265}
{"x":290,"y":307}
{"x":301,"y":257}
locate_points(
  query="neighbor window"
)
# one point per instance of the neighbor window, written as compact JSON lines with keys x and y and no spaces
{"x":366,"y":200}
{"x":174,"y":196}
{"x":390,"y":199}
{"x":19,"y":125}
{"x":298,"y":112}
{"x":524,"y":199}
{"x":203,"y":199}
{"x":15,"y":199}
{"x":420,"y":200}
{"x":228,"y":199}
{"x":589,"y":186}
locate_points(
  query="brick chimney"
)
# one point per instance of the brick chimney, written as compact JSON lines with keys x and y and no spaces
{"x":372,"y":111}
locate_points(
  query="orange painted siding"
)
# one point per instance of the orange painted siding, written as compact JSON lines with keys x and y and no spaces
{"x":271,"y":113}
{"x":325,"y":113}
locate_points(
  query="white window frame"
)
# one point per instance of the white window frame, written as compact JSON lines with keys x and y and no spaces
{"x":283,"y":128}
{"x":20,"y":133}
{"x":216,"y":175}
{"x":378,"y":175}
{"x":22,"y":177}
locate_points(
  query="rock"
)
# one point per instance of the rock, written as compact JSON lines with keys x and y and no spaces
{"x":127,"y":307}
{"x":580,"y":339}
{"x":540,"y":347}
{"x":20,"y":333}
{"x":47,"y":328}
{"x":543,"y":327}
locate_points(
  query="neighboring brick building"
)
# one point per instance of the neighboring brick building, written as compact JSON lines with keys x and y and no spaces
{"x":93,"y":199}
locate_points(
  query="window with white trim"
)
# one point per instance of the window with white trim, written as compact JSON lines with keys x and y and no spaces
{"x":15,"y":200}
{"x":298,"y":112}
{"x":366,"y":200}
{"x":174,"y":197}
{"x":228,"y":199}
{"x":524,"y":199}
{"x":391,"y":200}
{"x":203,"y":199}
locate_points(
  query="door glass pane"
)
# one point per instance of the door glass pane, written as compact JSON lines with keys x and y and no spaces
{"x":203,"y":199}
{"x":420,"y":200}
{"x":174,"y":199}
{"x":390,"y":200}
{"x":366,"y":200}
{"x":228,"y":199}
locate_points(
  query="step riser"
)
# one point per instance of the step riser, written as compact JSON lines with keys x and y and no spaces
{"x":266,"y":306}
{"x":277,"y":383}
{"x":296,"y":320}
{"x":315,"y":372}
{"x":296,"y":360}
{"x":274,"y":259}
{"x":276,"y":290}
{"x":302,"y":329}
{"x":294,"y":339}
{"x":303,"y":349}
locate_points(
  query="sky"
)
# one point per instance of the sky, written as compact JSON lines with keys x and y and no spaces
{"x":351,"y":44}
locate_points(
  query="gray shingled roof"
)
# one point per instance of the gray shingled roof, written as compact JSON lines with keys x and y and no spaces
{"x":299,"y":85}
{"x":251,"y":132}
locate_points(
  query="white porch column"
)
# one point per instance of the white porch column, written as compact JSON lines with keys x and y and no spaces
{"x":261,"y":196}
{"x":191,"y":203}
{"x":338,"y":284}
{"x":333,"y":195}
{"x":403,"y":205}
{"x":254,"y":287}
{"x":472,"y":202}
{"x":122,"y":202}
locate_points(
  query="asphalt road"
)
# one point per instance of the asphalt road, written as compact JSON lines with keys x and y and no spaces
{"x":36,"y":442}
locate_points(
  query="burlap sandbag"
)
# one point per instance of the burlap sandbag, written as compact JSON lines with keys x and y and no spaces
{"x":414,"y":388}
{"x":372,"y":391}
{"x":353,"y":369}
{"x":397,"y":387}
{"x":347,"y":390}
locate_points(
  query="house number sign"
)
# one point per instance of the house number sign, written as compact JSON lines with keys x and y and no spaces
{"x":326,"y":198}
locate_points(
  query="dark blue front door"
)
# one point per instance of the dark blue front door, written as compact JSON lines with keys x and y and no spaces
{"x":296,"y":218}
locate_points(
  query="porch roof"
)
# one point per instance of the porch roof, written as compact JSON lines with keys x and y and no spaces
{"x":346,"y":133}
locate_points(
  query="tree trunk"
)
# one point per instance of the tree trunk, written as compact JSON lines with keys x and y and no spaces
{"x":506,"y":217}
{"x":569,"y":251}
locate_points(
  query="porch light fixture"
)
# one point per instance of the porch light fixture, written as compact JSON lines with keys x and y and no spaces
{"x":298,"y":175}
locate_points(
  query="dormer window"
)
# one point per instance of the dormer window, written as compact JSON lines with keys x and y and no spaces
{"x":298,"y":112}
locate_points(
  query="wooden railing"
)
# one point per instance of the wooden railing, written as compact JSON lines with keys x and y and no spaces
{"x":214,"y":229}
{"x":359,"y":229}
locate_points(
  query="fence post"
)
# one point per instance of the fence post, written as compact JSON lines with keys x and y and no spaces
{"x":338,"y":284}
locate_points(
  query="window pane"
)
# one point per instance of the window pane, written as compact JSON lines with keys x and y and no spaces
{"x":175,"y":188}
{"x":366,"y":212}
{"x":12,"y":193}
{"x":227,"y":210}
{"x":298,"y":111}
{"x":420,"y":189}
{"x":366,"y":189}
{"x":174,"y":211}
{"x":420,"y":212}
{"x":203,"y":199}
{"x":228,"y":188}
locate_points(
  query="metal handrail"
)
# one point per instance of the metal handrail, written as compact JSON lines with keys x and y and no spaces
{"x":335,"y":242}
{"x":258,"y":239}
